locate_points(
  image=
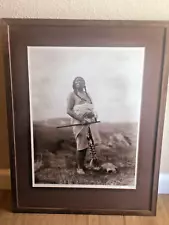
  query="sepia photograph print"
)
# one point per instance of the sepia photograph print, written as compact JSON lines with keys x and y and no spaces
{"x":85,"y":106}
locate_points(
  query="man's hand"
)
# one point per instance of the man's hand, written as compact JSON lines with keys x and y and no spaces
{"x":80,"y":119}
{"x":85,"y":122}
{"x":89,"y":114}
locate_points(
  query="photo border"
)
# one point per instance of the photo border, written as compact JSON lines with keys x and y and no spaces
{"x":32,"y":139}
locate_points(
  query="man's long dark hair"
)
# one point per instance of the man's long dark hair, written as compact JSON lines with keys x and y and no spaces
{"x":75,"y":89}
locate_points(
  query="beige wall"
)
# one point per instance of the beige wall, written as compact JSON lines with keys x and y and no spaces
{"x":83,"y":9}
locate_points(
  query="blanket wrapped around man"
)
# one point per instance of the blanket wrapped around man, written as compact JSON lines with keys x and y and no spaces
{"x":83,"y":132}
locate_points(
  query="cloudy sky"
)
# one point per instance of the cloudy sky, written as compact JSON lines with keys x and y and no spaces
{"x":113,"y":79}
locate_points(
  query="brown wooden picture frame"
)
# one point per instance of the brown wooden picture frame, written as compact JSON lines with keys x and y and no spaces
{"x":18,"y":34}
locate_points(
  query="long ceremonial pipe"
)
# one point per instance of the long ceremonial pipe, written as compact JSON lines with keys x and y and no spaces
{"x":78,"y":124}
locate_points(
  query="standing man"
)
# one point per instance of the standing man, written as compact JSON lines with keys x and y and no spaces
{"x":81,"y":110}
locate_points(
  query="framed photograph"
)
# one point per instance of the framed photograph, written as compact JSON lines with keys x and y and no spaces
{"x":86,"y":102}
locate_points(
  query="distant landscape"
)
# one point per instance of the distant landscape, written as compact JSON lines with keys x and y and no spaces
{"x":55,"y":154}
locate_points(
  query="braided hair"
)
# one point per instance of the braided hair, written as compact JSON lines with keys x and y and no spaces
{"x":75,"y":89}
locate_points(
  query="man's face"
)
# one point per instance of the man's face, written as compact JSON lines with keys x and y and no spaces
{"x":79,"y":83}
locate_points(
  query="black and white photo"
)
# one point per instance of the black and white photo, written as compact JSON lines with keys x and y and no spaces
{"x":85,"y":105}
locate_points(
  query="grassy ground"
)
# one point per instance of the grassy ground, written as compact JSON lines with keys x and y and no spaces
{"x":60,"y":167}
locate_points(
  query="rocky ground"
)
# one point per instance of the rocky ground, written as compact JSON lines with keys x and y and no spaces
{"x":55,"y":155}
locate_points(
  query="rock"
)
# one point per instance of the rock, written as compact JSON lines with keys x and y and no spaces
{"x":37,"y":165}
{"x":109,"y":167}
{"x":119,"y":140}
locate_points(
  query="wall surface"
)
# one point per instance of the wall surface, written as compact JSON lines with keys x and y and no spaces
{"x":84,"y":9}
